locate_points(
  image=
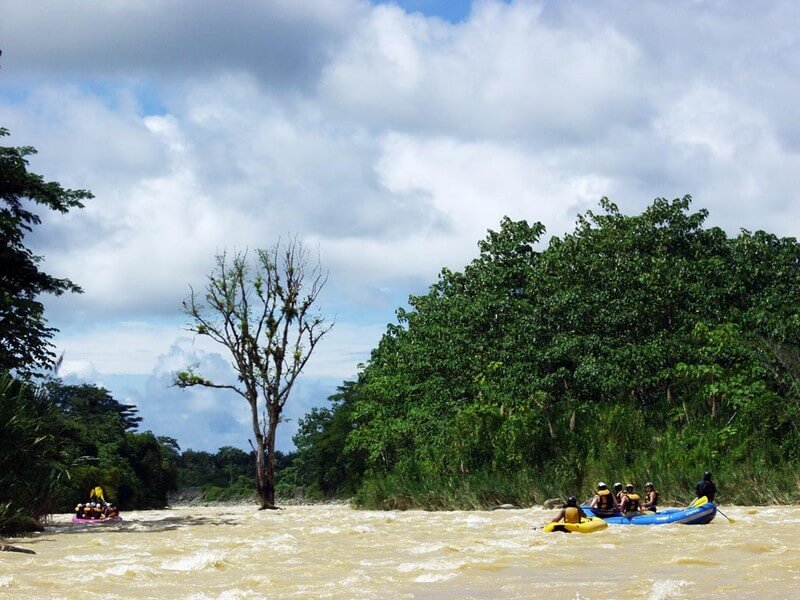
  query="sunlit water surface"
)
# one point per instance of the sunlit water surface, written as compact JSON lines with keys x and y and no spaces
{"x":337,"y":552}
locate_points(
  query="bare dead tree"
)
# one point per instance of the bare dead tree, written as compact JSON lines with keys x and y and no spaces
{"x":264,"y":315}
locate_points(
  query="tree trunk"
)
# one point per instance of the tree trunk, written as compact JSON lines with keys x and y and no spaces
{"x":261,"y":472}
{"x":272,"y":427}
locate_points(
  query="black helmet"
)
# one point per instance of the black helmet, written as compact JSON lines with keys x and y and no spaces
{"x":629,"y":487}
{"x":601,"y":486}
{"x":618,"y":487}
{"x":707,"y":476}
{"x":572,"y":501}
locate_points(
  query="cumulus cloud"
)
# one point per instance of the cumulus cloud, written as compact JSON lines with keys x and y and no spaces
{"x":504,"y":73}
{"x":388,"y":139}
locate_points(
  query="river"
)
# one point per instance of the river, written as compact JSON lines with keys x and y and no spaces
{"x":334,"y":551}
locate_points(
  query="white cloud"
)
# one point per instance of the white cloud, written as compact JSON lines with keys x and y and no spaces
{"x":505,"y":73}
{"x":116,"y":347}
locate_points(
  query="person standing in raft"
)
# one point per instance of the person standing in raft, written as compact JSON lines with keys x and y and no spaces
{"x":604,"y":502}
{"x":571,"y":513}
{"x":706,"y":487}
{"x":631,"y":504}
{"x":650,"y":497}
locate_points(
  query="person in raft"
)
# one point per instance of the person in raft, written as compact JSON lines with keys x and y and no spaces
{"x":96,"y":495}
{"x":604,"y":502}
{"x":650,"y":497}
{"x":631,"y":504}
{"x":571,"y":513}
{"x":706,"y":487}
{"x":618,"y":492}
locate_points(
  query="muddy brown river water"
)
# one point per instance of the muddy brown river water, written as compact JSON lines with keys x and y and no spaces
{"x":337,"y":552}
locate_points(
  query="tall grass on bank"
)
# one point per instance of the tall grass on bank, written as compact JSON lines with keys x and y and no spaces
{"x":673,"y":459}
{"x":28,"y":457}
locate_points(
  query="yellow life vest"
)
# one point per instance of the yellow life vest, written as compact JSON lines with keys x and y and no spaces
{"x":572,"y":515}
{"x":605,"y":502}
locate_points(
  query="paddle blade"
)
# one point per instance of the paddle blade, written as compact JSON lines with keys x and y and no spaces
{"x":699,"y":501}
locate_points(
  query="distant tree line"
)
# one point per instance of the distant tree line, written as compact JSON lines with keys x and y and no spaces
{"x":644,"y":347}
{"x":228,"y":474}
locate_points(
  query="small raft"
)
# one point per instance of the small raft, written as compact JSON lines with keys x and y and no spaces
{"x":587,"y":525}
{"x":80,"y":521}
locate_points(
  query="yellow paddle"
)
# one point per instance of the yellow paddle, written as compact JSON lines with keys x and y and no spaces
{"x":698,"y":502}
{"x":726,"y":516}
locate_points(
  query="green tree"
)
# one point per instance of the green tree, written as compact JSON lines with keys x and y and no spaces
{"x":323,"y":461}
{"x":24,"y":334}
{"x":263,"y":314}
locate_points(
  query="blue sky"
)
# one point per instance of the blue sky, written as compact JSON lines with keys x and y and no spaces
{"x":390,"y":136}
{"x":453,"y":11}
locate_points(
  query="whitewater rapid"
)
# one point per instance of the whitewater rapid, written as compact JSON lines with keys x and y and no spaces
{"x":333,"y":551}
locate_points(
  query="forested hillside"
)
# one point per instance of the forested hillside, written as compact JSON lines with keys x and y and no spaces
{"x":645,"y":347}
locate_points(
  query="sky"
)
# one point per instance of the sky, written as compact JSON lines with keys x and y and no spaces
{"x":389,"y":136}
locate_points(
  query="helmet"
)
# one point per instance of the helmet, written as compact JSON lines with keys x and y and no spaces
{"x":707,"y":476}
{"x":618,"y":487}
{"x":628,"y":487}
{"x":572,"y":501}
{"x":649,"y":484}
{"x":601,"y":486}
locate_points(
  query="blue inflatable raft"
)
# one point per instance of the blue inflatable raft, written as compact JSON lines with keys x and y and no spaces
{"x":694,"y":515}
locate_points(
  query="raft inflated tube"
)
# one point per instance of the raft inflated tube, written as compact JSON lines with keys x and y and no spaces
{"x":587,"y":525}
{"x":695,"y":515}
{"x":79,"y":521}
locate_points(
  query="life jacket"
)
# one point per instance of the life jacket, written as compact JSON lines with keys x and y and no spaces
{"x":604,"y":501}
{"x":633,"y":502}
{"x":654,"y":503}
{"x":572,"y":515}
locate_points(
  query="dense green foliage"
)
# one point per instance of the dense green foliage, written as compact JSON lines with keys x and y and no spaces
{"x":636,"y":347}
{"x":228,"y":473}
{"x":323,"y":465}
{"x":24,"y":333}
{"x":30,"y":465}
